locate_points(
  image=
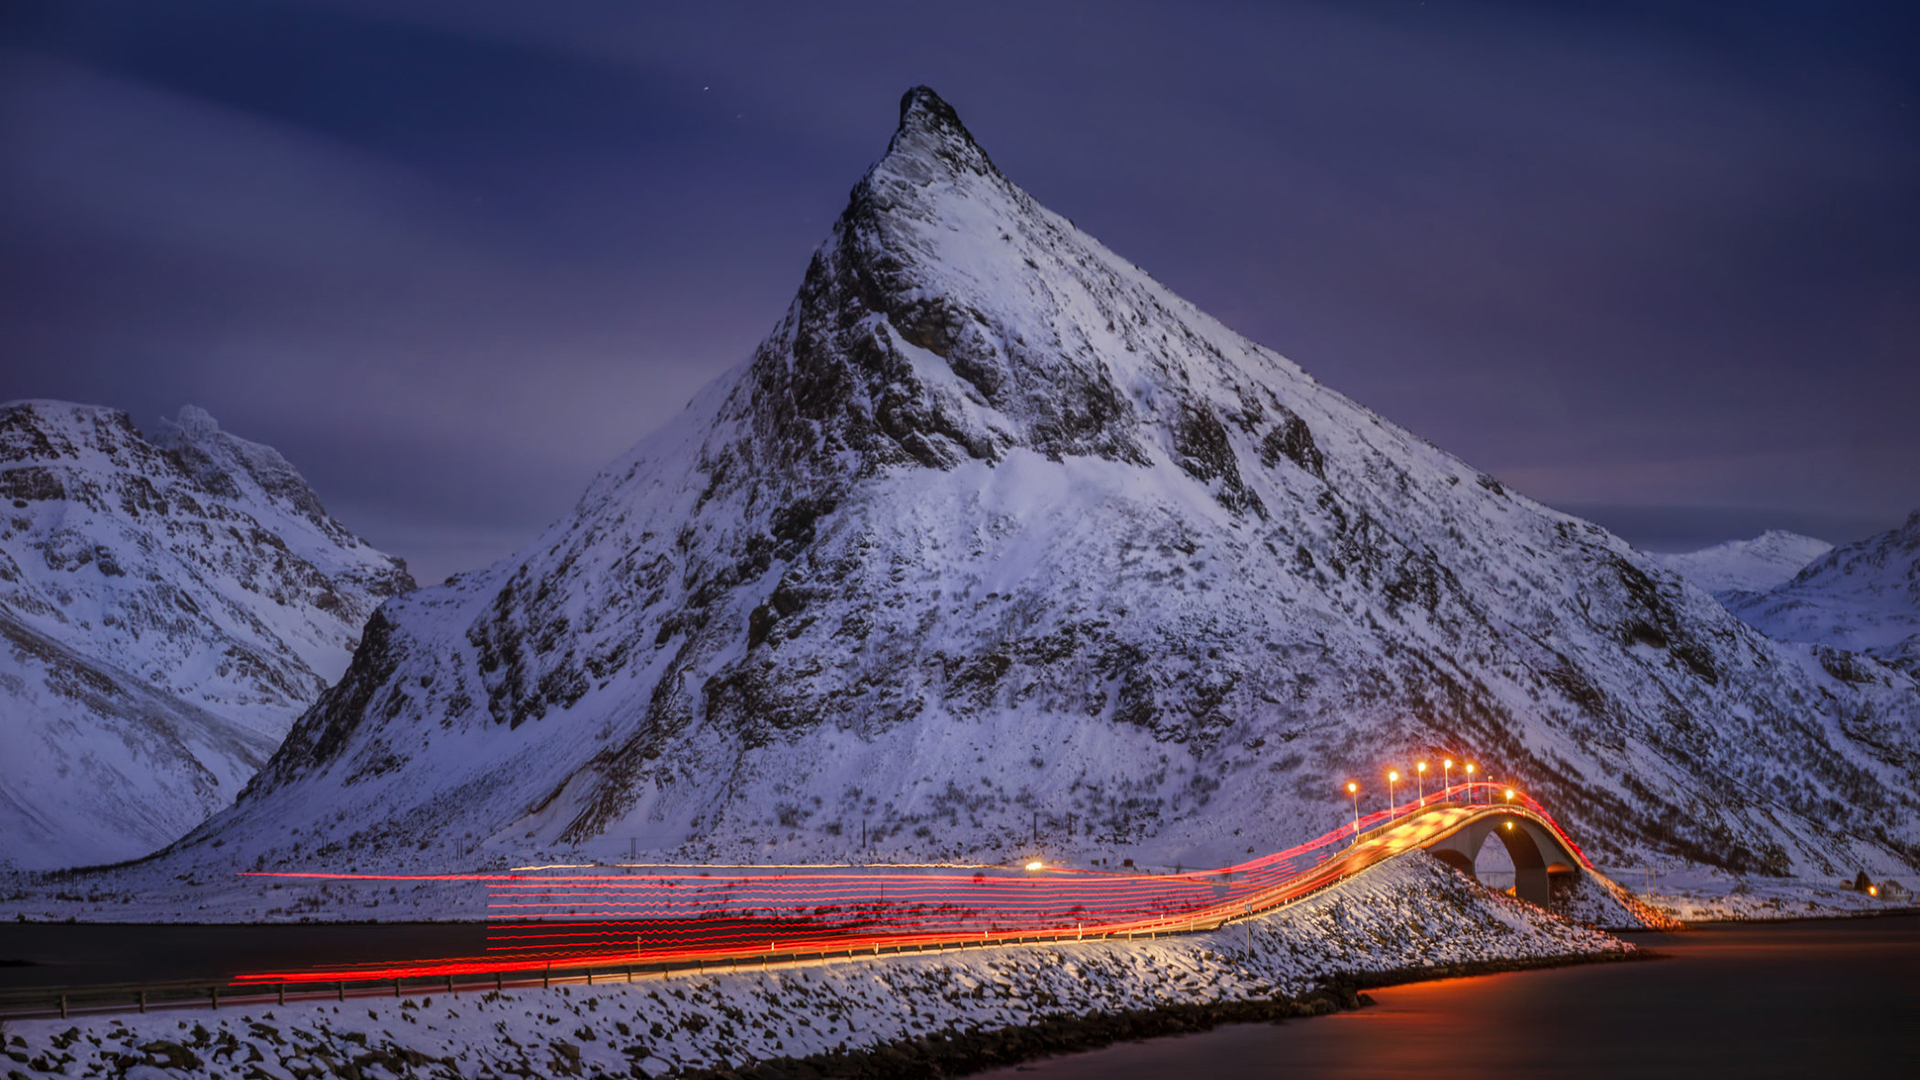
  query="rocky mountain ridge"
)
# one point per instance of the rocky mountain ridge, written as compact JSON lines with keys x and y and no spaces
{"x":996,"y":546}
{"x":167,"y":607}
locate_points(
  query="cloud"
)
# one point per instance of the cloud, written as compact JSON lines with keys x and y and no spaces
{"x":453,"y":255}
{"x":317,"y":297}
{"x":116,"y":157}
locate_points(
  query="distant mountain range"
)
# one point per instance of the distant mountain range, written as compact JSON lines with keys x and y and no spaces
{"x":1756,"y":565}
{"x":1863,"y":597}
{"x":167,"y":607}
{"x":996,"y":546}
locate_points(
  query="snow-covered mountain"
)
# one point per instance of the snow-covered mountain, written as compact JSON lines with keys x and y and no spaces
{"x":997,"y":545}
{"x":1755,"y":565}
{"x":166,"y":609}
{"x":1864,"y":597}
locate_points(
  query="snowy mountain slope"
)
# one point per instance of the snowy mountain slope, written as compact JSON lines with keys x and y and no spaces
{"x":166,"y":609}
{"x":101,"y":765}
{"x":995,"y":545}
{"x":1864,"y":596}
{"x":1755,"y":565}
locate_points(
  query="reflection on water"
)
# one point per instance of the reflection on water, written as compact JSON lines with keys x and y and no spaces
{"x":1834,"y":998}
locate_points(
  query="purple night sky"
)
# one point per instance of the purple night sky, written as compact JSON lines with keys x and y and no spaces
{"x":1654,"y":263}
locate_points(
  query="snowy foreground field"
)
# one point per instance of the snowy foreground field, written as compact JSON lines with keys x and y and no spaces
{"x":1410,"y":913}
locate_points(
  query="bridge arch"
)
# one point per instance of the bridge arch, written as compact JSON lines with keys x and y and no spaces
{"x":1538,"y":854}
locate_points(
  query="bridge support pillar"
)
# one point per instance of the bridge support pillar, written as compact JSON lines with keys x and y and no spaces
{"x":1535,"y":852}
{"x":1530,"y":884}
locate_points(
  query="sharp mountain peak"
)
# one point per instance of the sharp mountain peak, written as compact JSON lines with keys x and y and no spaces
{"x":993,"y":530}
{"x":930,"y":130}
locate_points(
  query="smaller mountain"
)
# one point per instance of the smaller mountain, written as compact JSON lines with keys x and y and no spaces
{"x":1862,"y":597}
{"x":1764,"y":562}
{"x":167,"y":607}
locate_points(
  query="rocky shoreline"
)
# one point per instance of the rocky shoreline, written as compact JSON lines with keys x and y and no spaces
{"x":964,"y":1054}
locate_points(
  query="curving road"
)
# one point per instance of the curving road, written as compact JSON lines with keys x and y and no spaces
{"x":686,"y":916}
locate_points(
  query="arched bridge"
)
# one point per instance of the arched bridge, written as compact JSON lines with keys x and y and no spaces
{"x":1454,"y":833}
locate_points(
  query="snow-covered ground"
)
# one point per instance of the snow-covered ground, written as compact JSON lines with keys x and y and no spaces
{"x":1704,"y":894}
{"x":1411,"y":912}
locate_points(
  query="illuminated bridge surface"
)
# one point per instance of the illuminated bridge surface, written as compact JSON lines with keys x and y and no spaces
{"x":584,"y":915}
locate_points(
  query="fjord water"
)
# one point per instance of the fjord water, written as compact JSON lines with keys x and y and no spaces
{"x":91,"y":954}
{"x":1819,"y":998}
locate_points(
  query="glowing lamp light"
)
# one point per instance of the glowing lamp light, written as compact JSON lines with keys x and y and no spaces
{"x":1873,"y":890}
{"x":1393,"y":777}
{"x":1509,"y":794}
{"x":1353,"y":788}
{"x":1035,"y":865}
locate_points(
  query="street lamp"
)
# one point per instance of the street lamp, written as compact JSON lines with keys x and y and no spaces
{"x":1353,"y":789}
{"x":1509,"y":796}
{"x":1420,"y":769}
{"x":1470,"y":768}
{"x":1446,"y":772}
{"x":1393,"y":777}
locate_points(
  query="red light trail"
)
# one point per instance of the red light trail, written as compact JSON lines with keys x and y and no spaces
{"x":651,"y":914}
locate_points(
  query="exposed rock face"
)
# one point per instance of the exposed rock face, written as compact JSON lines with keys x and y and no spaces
{"x":993,"y":536}
{"x":166,"y":609}
{"x":1863,"y":597}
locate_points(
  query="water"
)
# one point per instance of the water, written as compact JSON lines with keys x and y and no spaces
{"x":82,"y":954}
{"x":1833,"y":998}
